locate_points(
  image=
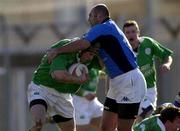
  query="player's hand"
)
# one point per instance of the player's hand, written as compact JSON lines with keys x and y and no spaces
{"x":90,"y":96}
{"x":164,"y":68}
{"x":138,"y":120}
{"x":84,"y":77}
{"x":51,"y":54}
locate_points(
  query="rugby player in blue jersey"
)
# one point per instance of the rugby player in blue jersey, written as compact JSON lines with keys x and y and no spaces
{"x":127,"y":84}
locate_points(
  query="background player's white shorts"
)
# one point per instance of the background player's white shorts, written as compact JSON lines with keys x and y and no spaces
{"x":128,"y":88}
{"x":58,"y":103}
{"x":86,"y":110}
{"x":149,"y":99}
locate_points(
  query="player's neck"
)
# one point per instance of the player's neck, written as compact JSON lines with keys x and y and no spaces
{"x":135,"y":44}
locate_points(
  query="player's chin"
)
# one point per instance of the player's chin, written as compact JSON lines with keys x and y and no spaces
{"x":131,"y":39}
{"x":87,"y":60}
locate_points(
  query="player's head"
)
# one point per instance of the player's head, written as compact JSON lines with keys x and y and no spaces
{"x":177,"y":100}
{"x":131,"y":30}
{"x":98,"y":14}
{"x":162,"y":107}
{"x":170,"y":117}
{"x":87,"y":54}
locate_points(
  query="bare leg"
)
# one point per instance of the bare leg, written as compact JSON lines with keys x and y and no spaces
{"x":38,"y":113}
{"x":109,"y":121}
{"x":125,"y":124}
{"x":82,"y":127}
{"x":67,"y":126}
{"x":96,"y":123}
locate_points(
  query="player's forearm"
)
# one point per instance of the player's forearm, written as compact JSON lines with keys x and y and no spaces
{"x":65,"y":77}
{"x":168,"y":61}
{"x":73,"y":47}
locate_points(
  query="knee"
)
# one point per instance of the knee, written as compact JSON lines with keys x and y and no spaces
{"x":38,"y":113}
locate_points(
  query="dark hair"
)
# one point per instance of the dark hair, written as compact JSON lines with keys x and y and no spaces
{"x":90,"y":49}
{"x":130,"y":23}
{"x":169,"y":113}
{"x":162,"y":107}
{"x":102,"y":8}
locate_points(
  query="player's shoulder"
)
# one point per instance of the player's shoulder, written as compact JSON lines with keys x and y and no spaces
{"x":146,"y":38}
{"x":61,"y":43}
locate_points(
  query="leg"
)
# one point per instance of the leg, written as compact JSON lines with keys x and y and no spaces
{"x":148,"y":105}
{"x":96,"y":123}
{"x":38,"y":106}
{"x":82,"y":127}
{"x":125,"y":124}
{"x":126,"y":114}
{"x":64,"y":112}
{"x":110,"y":115}
{"x":38,"y":113}
{"x":109,"y":121}
{"x":67,"y":125}
{"x":96,"y":116}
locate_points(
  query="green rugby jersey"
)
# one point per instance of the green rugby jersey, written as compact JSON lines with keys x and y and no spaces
{"x":42,"y":75}
{"x":148,"y":50}
{"x":152,"y":123}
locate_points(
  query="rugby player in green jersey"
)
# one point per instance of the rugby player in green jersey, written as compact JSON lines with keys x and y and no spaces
{"x":49,"y":93}
{"x":167,"y":120}
{"x":147,"y":49}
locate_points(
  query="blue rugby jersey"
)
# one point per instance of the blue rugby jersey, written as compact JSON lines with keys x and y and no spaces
{"x":115,"y":49}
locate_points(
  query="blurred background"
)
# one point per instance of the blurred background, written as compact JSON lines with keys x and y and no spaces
{"x":29,"y":27}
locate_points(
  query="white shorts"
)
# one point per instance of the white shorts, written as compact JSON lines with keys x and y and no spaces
{"x":128,"y":88}
{"x":58,"y":103}
{"x":149,"y":99}
{"x":86,"y":110}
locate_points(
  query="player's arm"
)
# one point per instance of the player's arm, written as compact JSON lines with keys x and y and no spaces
{"x":164,"y":54}
{"x":74,"y":46}
{"x":166,"y":64}
{"x":64,"y":76}
{"x":59,"y":72}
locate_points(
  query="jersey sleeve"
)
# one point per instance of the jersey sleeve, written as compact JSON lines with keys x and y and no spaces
{"x":160,"y":51}
{"x":96,"y":32}
{"x":59,"y":63}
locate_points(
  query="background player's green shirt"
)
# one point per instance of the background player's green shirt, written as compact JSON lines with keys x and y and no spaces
{"x":42,"y":76}
{"x":152,"y":123}
{"x":148,"y":50}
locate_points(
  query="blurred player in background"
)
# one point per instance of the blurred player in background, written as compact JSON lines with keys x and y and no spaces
{"x":127,"y":83}
{"x":167,"y":120}
{"x":175,"y":103}
{"x":147,"y":49}
{"x":49,"y":93}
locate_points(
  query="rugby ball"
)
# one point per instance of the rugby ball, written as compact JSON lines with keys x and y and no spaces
{"x":77,"y":69}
